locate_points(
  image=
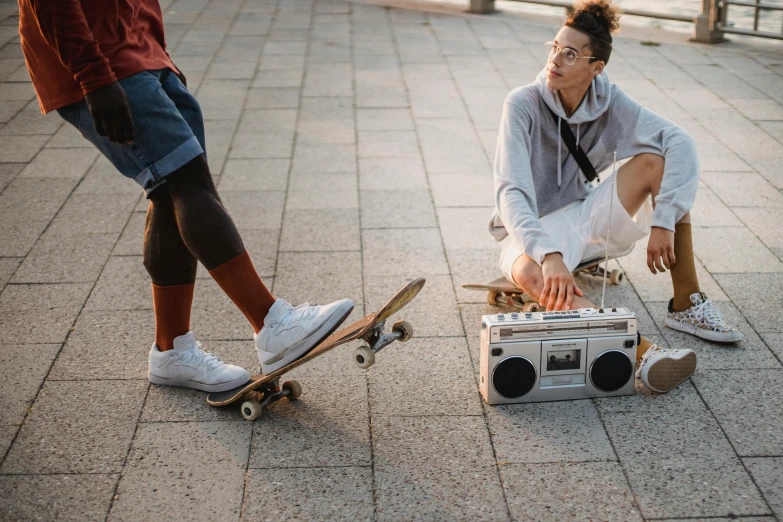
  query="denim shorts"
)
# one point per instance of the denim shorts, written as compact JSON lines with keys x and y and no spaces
{"x":168,"y":124}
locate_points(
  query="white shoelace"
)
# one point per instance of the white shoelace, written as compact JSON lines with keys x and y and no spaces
{"x":709,"y":313}
{"x":197,"y":356}
{"x":303,"y":311}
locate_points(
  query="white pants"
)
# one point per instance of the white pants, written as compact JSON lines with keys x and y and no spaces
{"x":579,"y":229}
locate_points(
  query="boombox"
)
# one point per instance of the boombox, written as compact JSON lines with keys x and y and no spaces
{"x":555,"y":356}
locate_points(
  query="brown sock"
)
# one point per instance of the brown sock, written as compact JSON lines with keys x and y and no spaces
{"x":172,"y":313}
{"x":643,"y":346}
{"x":239,"y":280}
{"x":683,"y":271}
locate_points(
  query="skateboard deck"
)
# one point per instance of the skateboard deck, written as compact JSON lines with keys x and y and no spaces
{"x":501,"y":291}
{"x":369,"y":328}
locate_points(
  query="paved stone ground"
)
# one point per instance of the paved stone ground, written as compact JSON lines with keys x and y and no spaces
{"x":353,"y":144}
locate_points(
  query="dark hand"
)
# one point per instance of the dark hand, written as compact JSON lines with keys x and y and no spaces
{"x":111,"y":113}
{"x":559,"y":285}
{"x":660,"y":250}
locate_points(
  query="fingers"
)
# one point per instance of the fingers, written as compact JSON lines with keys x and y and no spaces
{"x":569,"y":300}
{"x":98,"y":122}
{"x":578,"y":291}
{"x":650,"y":263}
{"x":545,"y":292}
{"x":658,"y":263}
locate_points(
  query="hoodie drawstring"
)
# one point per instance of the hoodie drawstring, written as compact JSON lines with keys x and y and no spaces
{"x":577,"y":135}
{"x":559,"y":146}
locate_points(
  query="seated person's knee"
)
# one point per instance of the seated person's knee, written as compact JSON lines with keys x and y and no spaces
{"x":527,"y":275}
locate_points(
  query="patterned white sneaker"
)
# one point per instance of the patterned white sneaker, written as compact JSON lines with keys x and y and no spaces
{"x":663,"y":369}
{"x":289,"y":332}
{"x":189,"y":366}
{"x":704,"y":320}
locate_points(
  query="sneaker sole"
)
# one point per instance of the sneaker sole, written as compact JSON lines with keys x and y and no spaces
{"x":666,"y":374}
{"x":223,"y":386}
{"x":716,"y":337}
{"x":309,"y":343}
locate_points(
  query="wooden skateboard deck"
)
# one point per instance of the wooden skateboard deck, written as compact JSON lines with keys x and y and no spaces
{"x":368,"y":328}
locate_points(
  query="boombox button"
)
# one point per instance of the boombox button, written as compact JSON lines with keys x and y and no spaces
{"x":497,"y":352}
{"x":514,"y":315}
{"x":628,"y":344}
{"x":501,"y":317}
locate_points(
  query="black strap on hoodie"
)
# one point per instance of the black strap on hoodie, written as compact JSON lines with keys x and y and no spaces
{"x":576,"y":151}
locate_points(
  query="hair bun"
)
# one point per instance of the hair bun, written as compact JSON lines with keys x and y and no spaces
{"x":604,"y":12}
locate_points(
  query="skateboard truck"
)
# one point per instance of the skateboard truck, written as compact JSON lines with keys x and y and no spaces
{"x":256,"y":401}
{"x":377,"y":340}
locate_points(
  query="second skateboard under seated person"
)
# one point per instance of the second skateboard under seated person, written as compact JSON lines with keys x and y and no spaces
{"x":551,"y":219}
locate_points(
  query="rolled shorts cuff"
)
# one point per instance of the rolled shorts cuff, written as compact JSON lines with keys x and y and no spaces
{"x":155,"y":175}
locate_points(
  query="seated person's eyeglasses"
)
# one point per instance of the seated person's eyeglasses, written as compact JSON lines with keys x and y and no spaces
{"x":568,"y":54}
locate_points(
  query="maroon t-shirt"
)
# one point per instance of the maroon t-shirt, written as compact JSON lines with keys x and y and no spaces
{"x":74,"y":47}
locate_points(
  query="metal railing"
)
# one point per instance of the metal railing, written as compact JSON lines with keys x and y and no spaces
{"x":709,"y":25}
{"x":722,"y":24}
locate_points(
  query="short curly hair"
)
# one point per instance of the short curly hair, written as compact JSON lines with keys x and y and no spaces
{"x":598,"y":19}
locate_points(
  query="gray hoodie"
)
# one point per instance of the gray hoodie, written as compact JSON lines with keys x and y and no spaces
{"x":535,"y":174}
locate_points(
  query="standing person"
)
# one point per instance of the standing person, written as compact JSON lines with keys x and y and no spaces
{"x":103,"y":66}
{"x":551,"y":219}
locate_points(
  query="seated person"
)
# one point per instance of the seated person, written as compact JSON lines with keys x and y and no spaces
{"x":551,"y":218}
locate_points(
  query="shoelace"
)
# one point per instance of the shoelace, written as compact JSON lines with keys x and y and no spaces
{"x":197,"y":356}
{"x":649,"y":353}
{"x":707,"y":311}
{"x":303,"y":311}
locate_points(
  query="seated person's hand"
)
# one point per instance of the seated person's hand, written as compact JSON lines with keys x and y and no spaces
{"x":660,"y":250}
{"x":559,"y":285}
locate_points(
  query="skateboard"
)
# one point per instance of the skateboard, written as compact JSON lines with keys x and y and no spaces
{"x":503,"y":292}
{"x":263,"y":390}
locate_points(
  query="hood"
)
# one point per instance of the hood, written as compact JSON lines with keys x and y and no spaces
{"x":595,"y":103}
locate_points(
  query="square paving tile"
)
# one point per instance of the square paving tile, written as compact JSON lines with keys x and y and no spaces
{"x":131,"y":242}
{"x":397,"y":209}
{"x":21,"y":149}
{"x":7,"y":434}
{"x":254,"y":210}
{"x":442,"y":465}
{"x":343,"y":493}
{"x":22,"y":371}
{"x":215,"y":316}
{"x":319,"y":277}
{"x":324,"y":158}
{"x":254,"y":174}
{"x":94,"y":214}
{"x":411,"y":251}
{"x":473,"y":266}
{"x":746,"y":404}
{"x":159,"y":483}
{"x":57,"y":258}
{"x":123,"y":285}
{"x":466,"y":228}
{"x":60,"y":163}
{"x":442,"y":370}
{"x":775,"y":343}
{"x":8,"y":171}
{"x":709,"y":244}
{"x":392,"y":174}
{"x":681,"y":466}
{"x":331,"y":425}
{"x":765,"y":222}
{"x":320,"y":230}
{"x":8,"y":265}
{"x":768,"y":475}
{"x":756,"y":191}
{"x":107,"y":345}
{"x":531,"y":492}
{"x":92,"y":435}
{"x":318,"y":191}
{"x":568,"y":431}
{"x":56,"y":497}
{"x":759,"y":296}
{"x":433,"y":313}
{"x":384,"y":119}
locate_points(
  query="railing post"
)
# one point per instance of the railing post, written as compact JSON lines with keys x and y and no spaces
{"x":704,"y":24}
{"x":482,"y":6}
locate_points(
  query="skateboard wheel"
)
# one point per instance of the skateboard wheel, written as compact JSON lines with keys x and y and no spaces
{"x":251,"y":410}
{"x":364,"y":357}
{"x":295,"y":387}
{"x":405,"y":328}
{"x":492,"y":297}
{"x":531,"y":306}
{"x":616,"y":276}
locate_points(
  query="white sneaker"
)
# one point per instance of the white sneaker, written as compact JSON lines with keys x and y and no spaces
{"x":189,"y":366}
{"x":289,"y":332}
{"x":663,"y":369}
{"x":704,"y":320}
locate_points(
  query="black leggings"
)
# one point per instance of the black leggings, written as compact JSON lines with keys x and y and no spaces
{"x":186,"y":223}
